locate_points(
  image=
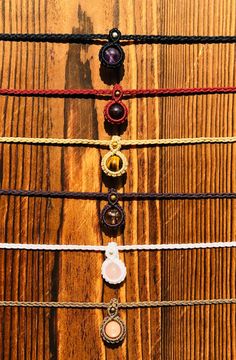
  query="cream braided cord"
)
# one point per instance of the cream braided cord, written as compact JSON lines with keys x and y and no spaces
{"x":53,"y":141}
{"x":125,"y":305}
{"x":179,"y":141}
{"x":175,"y":141}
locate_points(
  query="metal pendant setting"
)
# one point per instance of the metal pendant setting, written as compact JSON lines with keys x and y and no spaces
{"x":113,"y":329}
{"x":112,"y":55}
{"x":112,"y":217}
{"x":114,"y":163}
{"x":113,"y":269}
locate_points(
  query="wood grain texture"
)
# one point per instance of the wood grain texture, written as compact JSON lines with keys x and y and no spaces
{"x":198,"y":333}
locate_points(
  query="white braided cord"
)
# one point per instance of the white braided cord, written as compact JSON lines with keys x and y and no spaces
{"x":133,"y":247}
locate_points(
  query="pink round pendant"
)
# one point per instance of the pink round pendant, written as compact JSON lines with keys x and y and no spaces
{"x":113,"y":271}
{"x":113,"y":329}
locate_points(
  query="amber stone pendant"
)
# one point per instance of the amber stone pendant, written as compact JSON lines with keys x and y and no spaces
{"x":114,"y":163}
{"x":113,"y":329}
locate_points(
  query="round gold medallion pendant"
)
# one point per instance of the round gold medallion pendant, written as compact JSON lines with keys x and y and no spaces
{"x":113,"y":329}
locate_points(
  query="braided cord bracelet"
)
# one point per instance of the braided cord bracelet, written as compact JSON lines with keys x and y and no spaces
{"x":112,"y":217}
{"x":113,"y":329}
{"x":115,"y":111}
{"x":111,"y":54}
{"x":113,"y":269}
{"x":114,"y":163}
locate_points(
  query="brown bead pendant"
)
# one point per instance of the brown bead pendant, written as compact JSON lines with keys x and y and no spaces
{"x":114,"y":163}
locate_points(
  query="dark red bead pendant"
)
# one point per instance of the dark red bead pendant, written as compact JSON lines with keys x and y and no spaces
{"x":112,"y":55}
{"x":115,"y":111}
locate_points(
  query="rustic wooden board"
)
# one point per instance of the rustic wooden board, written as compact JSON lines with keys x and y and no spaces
{"x":168,"y":334}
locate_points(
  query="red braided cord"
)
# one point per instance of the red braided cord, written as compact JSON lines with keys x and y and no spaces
{"x":181,"y":91}
{"x":40,"y":92}
{"x":108,"y":92}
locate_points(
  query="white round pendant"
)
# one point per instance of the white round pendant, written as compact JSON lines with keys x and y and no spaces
{"x":113,"y":271}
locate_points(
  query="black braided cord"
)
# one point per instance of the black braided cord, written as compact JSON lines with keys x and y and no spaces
{"x":54,"y":38}
{"x":163,"y":39}
{"x":121,"y":196}
{"x":91,"y":38}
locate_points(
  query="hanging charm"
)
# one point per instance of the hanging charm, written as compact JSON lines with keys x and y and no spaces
{"x":115,"y":111}
{"x":113,"y":269}
{"x":113,"y":329}
{"x":112,"y":55}
{"x":114,"y":163}
{"x":112,"y":215}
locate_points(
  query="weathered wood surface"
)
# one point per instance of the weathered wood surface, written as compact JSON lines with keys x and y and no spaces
{"x":168,"y":334}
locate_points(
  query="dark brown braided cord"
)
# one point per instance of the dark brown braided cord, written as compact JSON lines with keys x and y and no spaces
{"x":55,"y":194}
{"x":121,"y":196}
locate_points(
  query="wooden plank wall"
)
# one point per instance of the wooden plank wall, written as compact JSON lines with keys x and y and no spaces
{"x":169,"y":334}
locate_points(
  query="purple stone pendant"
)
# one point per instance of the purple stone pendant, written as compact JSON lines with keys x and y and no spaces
{"x":112,"y":55}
